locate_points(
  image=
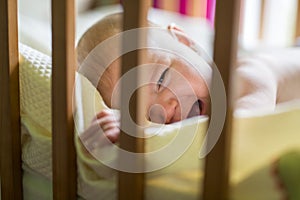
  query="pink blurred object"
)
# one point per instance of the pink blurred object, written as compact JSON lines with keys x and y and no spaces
{"x":210,"y":13}
{"x":183,"y":7}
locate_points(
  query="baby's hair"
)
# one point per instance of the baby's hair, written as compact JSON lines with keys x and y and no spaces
{"x":100,"y":31}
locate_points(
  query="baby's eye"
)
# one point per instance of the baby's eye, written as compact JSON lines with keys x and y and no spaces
{"x":161,"y":78}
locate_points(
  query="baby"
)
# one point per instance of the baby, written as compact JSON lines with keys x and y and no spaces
{"x":176,"y":90}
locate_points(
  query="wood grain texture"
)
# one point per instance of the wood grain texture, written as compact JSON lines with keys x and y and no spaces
{"x":11,"y":170}
{"x":216,"y":180}
{"x":297,"y":35}
{"x":131,"y":185}
{"x":63,"y":74}
{"x":262,"y":19}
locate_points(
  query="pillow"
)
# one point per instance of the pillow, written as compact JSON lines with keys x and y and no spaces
{"x":35,"y":105}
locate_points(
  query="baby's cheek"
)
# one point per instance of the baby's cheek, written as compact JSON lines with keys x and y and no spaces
{"x":156,"y":114}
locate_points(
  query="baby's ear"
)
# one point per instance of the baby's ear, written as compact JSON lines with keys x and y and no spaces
{"x":180,"y":35}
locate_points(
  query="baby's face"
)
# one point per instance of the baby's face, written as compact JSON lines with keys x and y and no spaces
{"x":172,"y":89}
{"x":176,"y":90}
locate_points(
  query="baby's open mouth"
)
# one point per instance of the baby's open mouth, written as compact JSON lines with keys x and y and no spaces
{"x":196,"y":109}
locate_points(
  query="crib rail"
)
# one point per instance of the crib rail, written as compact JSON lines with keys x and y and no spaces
{"x":262,"y":18}
{"x":216,"y":181}
{"x":63,"y":76}
{"x":10,"y":160}
{"x":131,"y":185}
{"x":297,"y":35}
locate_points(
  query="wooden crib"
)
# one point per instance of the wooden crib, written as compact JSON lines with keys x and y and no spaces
{"x":130,"y":186}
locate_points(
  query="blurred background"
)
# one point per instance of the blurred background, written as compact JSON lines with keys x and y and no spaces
{"x":263,"y":23}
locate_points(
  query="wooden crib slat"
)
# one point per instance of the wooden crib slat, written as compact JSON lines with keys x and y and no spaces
{"x":131,"y":185}
{"x":11,"y":167}
{"x":11,"y":171}
{"x":216,"y":181}
{"x":298,"y":21}
{"x":63,"y":74}
{"x":262,"y":18}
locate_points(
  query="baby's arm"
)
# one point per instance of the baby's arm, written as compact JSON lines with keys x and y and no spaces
{"x":266,"y":79}
{"x":255,"y":86}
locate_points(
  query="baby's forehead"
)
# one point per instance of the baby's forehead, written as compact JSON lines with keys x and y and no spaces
{"x":164,"y":57}
{"x":158,"y":56}
{"x":160,"y":60}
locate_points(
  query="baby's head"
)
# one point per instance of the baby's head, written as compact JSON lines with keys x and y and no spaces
{"x":175,"y":90}
{"x":100,"y":31}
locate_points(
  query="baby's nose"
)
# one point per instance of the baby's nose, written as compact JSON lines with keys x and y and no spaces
{"x":162,"y":113}
{"x":157,"y":114}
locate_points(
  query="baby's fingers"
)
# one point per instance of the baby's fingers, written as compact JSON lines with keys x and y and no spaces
{"x":112,"y":134}
{"x":107,"y":112}
{"x":109,"y":125}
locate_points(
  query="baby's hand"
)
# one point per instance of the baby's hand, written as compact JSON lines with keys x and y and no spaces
{"x":109,"y":122}
{"x":105,"y":125}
